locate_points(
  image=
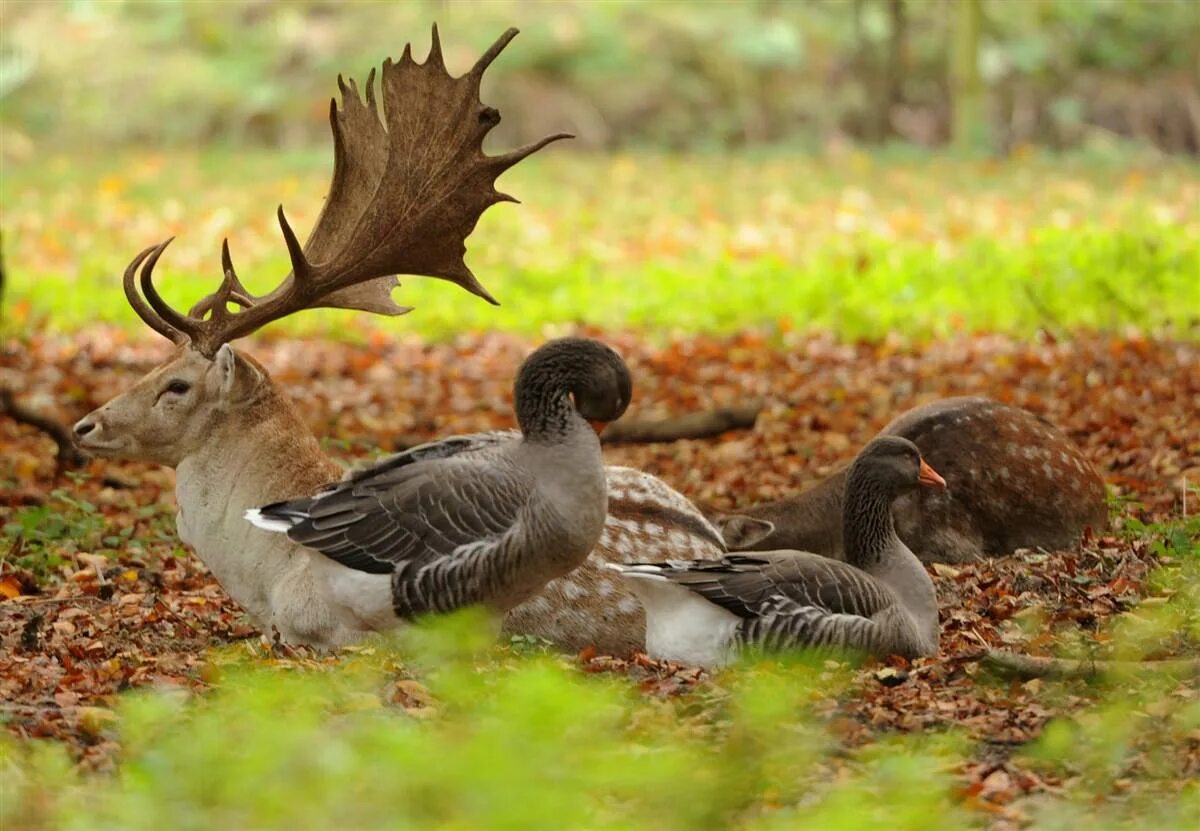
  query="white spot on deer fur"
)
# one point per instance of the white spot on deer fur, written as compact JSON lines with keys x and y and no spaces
{"x":1046,"y":469}
{"x":604,"y":588}
{"x":572,"y":590}
{"x":627,"y":605}
{"x":539,"y":604}
{"x":1004,"y":473}
{"x":615,"y":527}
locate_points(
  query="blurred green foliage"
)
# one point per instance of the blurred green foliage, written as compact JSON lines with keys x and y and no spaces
{"x":527,"y":741}
{"x":669,"y":74}
{"x":849,"y":243}
{"x":511,"y":737}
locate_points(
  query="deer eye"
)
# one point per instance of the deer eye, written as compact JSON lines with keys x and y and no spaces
{"x":178,"y":387}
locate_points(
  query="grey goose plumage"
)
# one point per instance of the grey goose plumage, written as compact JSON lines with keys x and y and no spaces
{"x":880,"y":600}
{"x":473,"y":519}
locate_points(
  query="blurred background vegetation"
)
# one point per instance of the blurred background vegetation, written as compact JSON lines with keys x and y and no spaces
{"x":618,"y":73}
{"x":797,"y":154}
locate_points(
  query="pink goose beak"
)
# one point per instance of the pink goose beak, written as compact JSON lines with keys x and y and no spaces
{"x":929,"y":476}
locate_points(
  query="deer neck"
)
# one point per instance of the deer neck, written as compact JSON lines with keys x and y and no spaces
{"x":264,"y":448}
{"x":258,"y":454}
{"x":810,"y":521}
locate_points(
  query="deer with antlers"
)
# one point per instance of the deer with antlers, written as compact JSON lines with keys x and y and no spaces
{"x":410,"y":181}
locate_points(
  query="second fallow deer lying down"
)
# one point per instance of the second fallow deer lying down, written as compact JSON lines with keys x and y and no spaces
{"x":406,"y":192}
{"x":1014,"y":481}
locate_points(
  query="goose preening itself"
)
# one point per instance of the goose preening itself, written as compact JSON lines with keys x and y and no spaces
{"x":880,"y":600}
{"x":472,"y":519}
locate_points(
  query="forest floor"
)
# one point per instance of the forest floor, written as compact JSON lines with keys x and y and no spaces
{"x":97,"y":595}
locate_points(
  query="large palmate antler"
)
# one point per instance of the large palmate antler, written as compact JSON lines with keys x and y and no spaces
{"x":406,"y":193}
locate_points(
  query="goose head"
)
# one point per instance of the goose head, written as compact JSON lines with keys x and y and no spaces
{"x":885,"y":469}
{"x":895,"y":465}
{"x":571,"y":375}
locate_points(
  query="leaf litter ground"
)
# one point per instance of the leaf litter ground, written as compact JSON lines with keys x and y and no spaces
{"x":106,"y":600}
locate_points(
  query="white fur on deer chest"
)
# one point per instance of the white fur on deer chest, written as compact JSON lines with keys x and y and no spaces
{"x":267,"y":574}
{"x":246,"y":561}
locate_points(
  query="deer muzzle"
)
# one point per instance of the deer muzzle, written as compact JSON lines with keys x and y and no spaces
{"x":90,"y":435}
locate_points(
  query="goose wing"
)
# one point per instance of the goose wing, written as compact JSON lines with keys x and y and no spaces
{"x":427,"y":503}
{"x":750,"y":586}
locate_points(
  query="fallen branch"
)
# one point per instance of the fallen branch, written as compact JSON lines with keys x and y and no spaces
{"x":700,"y":425}
{"x":68,"y":455}
{"x":1029,"y":666}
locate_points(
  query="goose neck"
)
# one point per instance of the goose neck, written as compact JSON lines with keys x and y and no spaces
{"x":867,"y":529}
{"x":544,"y":410}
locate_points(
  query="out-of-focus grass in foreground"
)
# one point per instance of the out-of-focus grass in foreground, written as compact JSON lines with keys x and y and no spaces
{"x":510,"y":738}
{"x":859,"y":245}
{"x":527,"y":742}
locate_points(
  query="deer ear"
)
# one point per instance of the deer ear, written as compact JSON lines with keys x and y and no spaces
{"x":237,"y":378}
{"x":742,"y":533}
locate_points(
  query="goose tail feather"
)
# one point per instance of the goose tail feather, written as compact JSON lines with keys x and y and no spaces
{"x":639,"y":571}
{"x":279,"y":517}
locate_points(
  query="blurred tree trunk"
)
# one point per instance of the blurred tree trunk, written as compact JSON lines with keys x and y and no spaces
{"x":882,"y":70}
{"x":969,"y":128}
{"x":897,"y":65}
{"x":67,"y":455}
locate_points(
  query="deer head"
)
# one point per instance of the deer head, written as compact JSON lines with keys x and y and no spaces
{"x":409,"y":184}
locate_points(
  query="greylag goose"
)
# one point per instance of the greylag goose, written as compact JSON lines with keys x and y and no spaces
{"x":472,"y":519}
{"x":1015,"y":481}
{"x":880,"y":600}
{"x":647,"y":520}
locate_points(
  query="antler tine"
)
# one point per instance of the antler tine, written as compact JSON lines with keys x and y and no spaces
{"x":185,"y":325}
{"x":370,"y":86}
{"x":230,"y":290}
{"x":493,"y":52}
{"x":506,"y":160}
{"x":237,"y":292}
{"x":139,"y":305}
{"x":435,"y":51}
{"x":301,"y":269}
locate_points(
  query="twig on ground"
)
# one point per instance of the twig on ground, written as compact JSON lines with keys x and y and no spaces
{"x":26,"y":600}
{"x":1029,"y":666}
{"x":700,"y":425}
{"x":68,"y":455}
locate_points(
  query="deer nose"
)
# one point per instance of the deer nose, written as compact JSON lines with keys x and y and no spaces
{"x":83,"y":427}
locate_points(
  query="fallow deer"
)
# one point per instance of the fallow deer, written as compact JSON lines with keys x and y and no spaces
{"x":406,"y":192}
{"x":1015,"y":481}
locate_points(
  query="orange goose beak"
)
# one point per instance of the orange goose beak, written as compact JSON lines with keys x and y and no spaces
{"x":929,"y":476}
{"x":598,"y":426}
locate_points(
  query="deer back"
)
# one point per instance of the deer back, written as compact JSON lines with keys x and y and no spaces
{"x":1014,"y":481}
